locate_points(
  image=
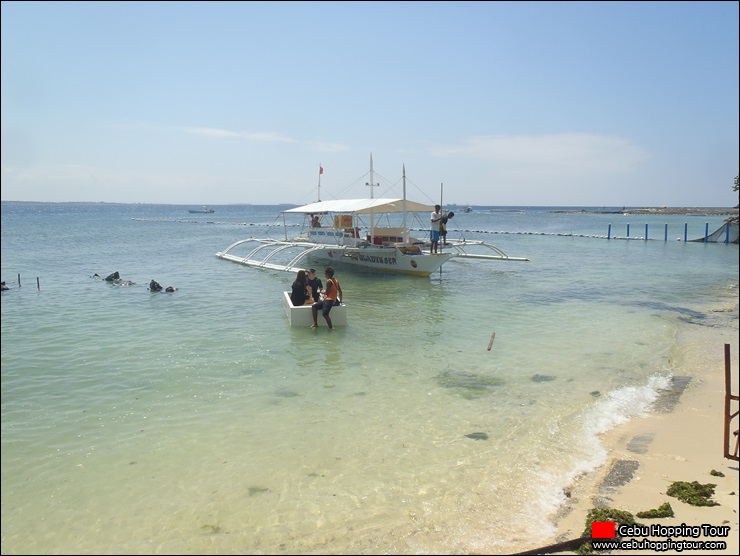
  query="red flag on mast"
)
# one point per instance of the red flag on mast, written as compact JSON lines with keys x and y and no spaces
{"x":321,"y":170}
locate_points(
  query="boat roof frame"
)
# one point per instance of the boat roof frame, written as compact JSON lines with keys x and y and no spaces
{"x":362,"y":206}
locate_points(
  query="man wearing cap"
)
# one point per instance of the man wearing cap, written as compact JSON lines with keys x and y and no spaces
{"x":314,"y":283}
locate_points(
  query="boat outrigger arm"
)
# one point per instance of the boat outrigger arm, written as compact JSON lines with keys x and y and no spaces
{"x":251,"y":258}
{"x":460,"y":252}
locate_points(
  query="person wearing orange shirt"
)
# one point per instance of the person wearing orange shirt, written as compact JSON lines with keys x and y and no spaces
{"x":332,"y":296}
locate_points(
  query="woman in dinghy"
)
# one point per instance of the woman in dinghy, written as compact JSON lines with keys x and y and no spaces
{"x":299,"y":294}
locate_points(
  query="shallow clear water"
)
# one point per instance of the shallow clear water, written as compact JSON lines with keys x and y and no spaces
{"x":200,"y":422}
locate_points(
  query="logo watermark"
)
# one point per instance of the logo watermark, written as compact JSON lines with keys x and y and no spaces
{"x":606,"y":535}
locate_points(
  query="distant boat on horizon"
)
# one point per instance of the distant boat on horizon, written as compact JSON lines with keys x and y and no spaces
{"x":204,"y":210}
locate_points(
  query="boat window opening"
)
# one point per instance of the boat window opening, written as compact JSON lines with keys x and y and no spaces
{"x":343,"y":221}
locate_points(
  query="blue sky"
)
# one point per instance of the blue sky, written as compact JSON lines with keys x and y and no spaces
{"x":505,"y":103}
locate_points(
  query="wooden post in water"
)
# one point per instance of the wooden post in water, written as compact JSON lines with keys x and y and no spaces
{"x":38,"y":284}
{"x":19,"y":280}
{"x":491,"y":342}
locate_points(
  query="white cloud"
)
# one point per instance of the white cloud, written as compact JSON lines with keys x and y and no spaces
{"x":320,"y":146}
{"x":265,"y":137}
{"x":577,"y":152}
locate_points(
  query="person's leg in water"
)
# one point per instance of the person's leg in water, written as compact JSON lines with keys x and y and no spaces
{"x":315,"y":313}
{"x":327,"y":307}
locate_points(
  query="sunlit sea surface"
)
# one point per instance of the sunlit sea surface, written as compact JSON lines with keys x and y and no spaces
{"x":200,"y":422}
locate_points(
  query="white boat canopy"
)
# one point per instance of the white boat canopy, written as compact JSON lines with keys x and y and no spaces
{"x":362,"y":206}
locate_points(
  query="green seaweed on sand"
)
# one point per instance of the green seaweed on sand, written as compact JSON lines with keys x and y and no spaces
{"x":285,"y":393}
{"x":664,"y":510}
{"x":469,"y":385}
{"x":209,"y":529}
{"x":257,"y":490}
{"x":693,"y":493}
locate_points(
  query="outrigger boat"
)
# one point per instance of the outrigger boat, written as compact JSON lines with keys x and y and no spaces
{"x":204,"y":210}
{"x":349,"y":231}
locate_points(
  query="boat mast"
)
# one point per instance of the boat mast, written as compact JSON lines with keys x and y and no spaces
{"x":318,"y":194}
{"x":372,"y":212}
{"x":405,"y":230}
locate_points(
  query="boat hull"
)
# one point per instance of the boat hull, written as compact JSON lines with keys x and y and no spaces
{"x":301,"y":316}
{"x":387,"y":259}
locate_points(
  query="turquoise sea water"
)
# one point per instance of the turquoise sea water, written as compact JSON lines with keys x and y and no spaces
{"x":200,"y":422}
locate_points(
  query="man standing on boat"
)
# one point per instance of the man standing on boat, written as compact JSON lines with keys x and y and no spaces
{"x":434,"y":237}
{"x":443,"y":227}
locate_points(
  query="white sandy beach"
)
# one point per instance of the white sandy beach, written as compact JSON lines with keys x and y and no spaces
{"x":680,"y":444}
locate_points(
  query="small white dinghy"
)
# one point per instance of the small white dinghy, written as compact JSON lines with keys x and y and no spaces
{"x":301,"y":316}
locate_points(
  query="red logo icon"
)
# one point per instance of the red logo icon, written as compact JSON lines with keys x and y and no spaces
{"x":603,"y":530}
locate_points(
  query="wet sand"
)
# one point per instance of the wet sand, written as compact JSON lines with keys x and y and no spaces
{"x":682,"y":439}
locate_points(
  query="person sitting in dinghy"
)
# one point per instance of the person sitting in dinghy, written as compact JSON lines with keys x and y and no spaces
{"x":315,"y":285}
{"x":299,"y":292}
